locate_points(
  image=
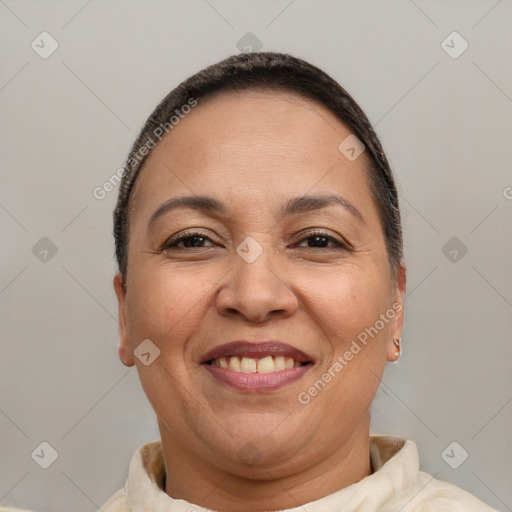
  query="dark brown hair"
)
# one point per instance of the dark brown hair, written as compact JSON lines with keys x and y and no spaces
{"x":264,"y":70}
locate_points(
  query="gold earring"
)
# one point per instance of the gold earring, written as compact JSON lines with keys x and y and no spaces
{"x":398,"y":351}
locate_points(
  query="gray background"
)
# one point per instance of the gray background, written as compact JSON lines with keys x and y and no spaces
{"x":67,"y":124}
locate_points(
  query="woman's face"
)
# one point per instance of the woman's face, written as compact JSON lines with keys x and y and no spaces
{"x":271,"y":256}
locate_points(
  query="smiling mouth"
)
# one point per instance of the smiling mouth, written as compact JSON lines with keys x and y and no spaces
{"x":247,"y":364}
{"x":256,"y":367}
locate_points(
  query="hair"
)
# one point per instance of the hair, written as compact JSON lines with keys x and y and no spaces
{"x":267,"y":71}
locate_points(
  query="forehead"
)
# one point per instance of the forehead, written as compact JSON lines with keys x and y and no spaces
{"x":255,"y":142}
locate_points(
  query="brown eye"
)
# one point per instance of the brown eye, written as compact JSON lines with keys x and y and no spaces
{"x":187,"y":241}
{"x":321,"y":240}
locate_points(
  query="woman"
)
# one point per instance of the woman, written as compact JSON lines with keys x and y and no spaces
{"x":260,"y":287}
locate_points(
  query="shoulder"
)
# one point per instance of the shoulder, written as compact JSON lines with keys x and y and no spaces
{"x":400,"y":485}
{"x":116,"y":503}
{"x":432,"y":495}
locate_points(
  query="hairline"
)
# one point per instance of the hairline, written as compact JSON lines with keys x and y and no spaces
{"x":380,"y":179}
{"x":242,"y":89}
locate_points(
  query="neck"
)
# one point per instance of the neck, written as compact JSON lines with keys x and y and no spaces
{"x":199,"y":482}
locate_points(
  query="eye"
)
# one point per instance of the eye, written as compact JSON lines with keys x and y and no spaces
{"x":321,"y":240}
{"x":198,"y":240}
{"x":188,"y":240}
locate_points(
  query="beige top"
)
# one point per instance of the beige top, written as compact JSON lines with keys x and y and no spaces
{"x":397,"y":484}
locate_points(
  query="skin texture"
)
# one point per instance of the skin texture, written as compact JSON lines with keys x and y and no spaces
{"x":253,"y":151}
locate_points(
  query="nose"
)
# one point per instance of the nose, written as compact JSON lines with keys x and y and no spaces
{"x":256,"y":291}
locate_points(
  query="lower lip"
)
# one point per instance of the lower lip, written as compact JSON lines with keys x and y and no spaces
{"x":257,"y":382}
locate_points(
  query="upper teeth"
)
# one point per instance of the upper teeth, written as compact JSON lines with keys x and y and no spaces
{"x":251,"y":365}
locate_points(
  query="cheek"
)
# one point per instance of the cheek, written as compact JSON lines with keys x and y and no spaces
{"x":346,"y":302}
{"x":166,"y":305}
{"x":348,"y":309}
{"x":346,"y":306}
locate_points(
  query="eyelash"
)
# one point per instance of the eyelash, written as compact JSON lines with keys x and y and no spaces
{"x":169,"y":244}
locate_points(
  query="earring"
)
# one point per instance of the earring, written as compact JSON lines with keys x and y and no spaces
{"x":398,"y":350}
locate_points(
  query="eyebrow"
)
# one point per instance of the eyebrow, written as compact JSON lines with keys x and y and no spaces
{"x":294,"y":206}
{"x":309,"y":203}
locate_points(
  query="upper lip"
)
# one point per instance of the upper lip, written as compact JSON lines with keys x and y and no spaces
{"x":258,"y":349}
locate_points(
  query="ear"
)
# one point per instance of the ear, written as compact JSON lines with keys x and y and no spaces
{"x":125,"y":345}
{"x":397,"y":323}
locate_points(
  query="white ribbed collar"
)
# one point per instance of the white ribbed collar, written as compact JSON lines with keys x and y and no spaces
{"x":395,"y":462}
